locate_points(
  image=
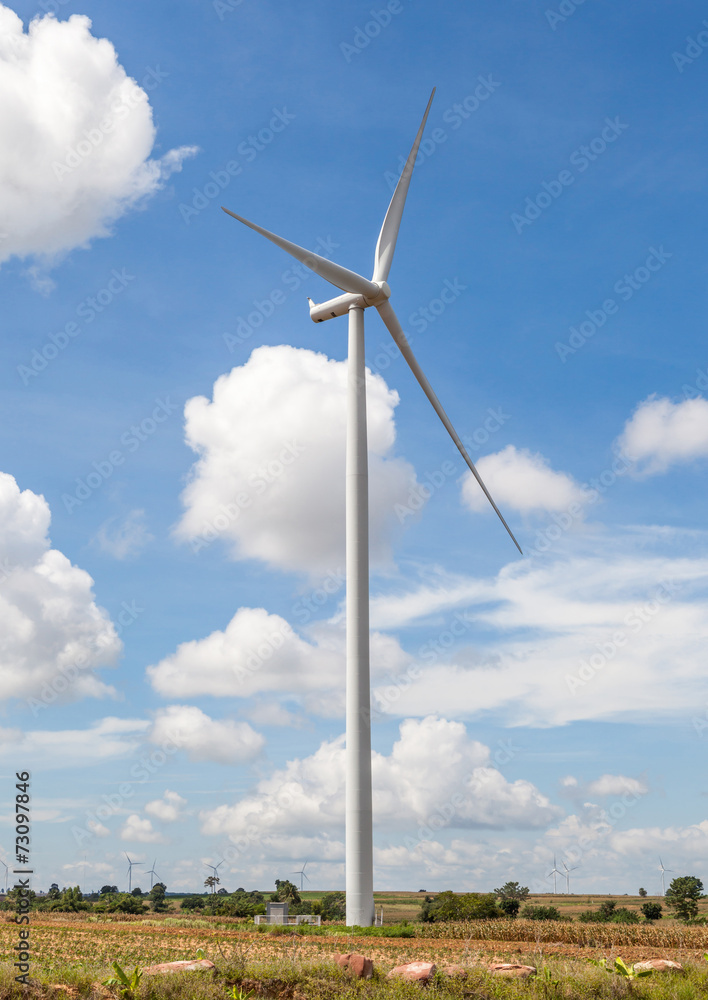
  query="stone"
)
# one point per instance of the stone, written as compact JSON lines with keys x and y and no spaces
{"x":658,"y":965}
{"x":355,"y":964}
{"x":415,"y":972}
{"x":512,"y":971}
{"x":186,"y":965}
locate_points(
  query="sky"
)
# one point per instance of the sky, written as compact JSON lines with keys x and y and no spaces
{"x":173,"y":427}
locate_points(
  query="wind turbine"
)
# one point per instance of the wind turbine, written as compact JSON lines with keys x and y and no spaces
{"x":554,"y":873}
{"x":567,"y":874}
{"x":360,"y":294}
{"x":302,"y":875}
{"x":662,"y":870}
{"x":130,"y":872}
{"x":215,"y":869}
{"x":7,"y":872}
{"x":151,"y":872}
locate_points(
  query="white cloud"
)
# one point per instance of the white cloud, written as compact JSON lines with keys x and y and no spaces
{"x":520,"y":480}
{"x":126,"y":538}
{"x":660,"y":434}
{"x":98,"y":829}
{"x":77,"y":136}
{"x":138,"y":829}
{"x":226,"y":742}
{"x":168,"y":809}
{"x":54,"y":637}
{"x":260,"y":653}
{"x":435,"y":777}
{"x":614,"y":634}
{"x":107,"y":739}
{"x":616,"y":784}
{"x":270,"y":476}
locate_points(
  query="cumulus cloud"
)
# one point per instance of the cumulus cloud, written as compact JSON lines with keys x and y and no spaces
{"x":54,"y":636}
{"x":520,"y":480}
{"x":77,"y":136}
{"x":660,"y":434}
{"x":225,"y":742}
{"x":434,"y":777}
{"x":270,"y":475}
{"x":141,"y":830}
{"x":616,"y":784}
{"x":168,"y":808}
{"x":259,"y":653}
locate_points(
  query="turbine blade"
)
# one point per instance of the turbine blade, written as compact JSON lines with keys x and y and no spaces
{"x":386,"y":244}
{"x":340,"y":277}
{"x":391,"y":320}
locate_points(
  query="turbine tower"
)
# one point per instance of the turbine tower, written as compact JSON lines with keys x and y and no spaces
{"x":554,"y":873}
{"x":360,"y":294}
{"x":567,"y":874}
{"x":130,"y":872}
{"x":662,"y":870}
{"x":152,"y":873}
{"x":302,"y":875}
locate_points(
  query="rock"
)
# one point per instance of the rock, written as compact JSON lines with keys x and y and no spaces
{"x":512,"y":971}
{"x":188,"y":965}
{"x":357,"y":965}
{"x":658,"y":965}
{"x":455,"y":971}
{"x":419,"y":972}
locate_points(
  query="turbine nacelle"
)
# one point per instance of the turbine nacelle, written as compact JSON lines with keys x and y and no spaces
{"x":340,"y":306}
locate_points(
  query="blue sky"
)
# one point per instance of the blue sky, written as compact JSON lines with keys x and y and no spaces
{"x":173,"y":665}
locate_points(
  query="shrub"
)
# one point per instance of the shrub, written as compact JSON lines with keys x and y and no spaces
{"x":459,"y":906}
{"x":541,"y":913}
{"x":652,"y":911}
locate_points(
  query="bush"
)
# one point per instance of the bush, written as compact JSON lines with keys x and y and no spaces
{"x":542,"y":913}
{"x":459,"y":906}
{"x":652,"y":911}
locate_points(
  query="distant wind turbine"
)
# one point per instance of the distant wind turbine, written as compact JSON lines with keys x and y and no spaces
{"x":7,"y":872}
{"x":359,"y":294}
{"x":130,"y":872}
{"x":151,"y":872}
{"x":662,"y":870}
{"x":567,"y":875}
{"x":554,"y":873}
{"x":302,"y":875}
{"x":215,"y":869}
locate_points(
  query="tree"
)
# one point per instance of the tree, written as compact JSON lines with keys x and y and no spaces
{"x":332,"y":906}
{"x":105,"y":889}
{"x":157,"y":897}
{"x":652,"y":911}
{"x":137,"y":891}
{"x":509,"y":907}
{"x":541,"y":913}
{"x":642,"y":893}
{"x":53,"y":891}
{"x":682,"y":896}
{"x":512,"y":890}
{"x":286,"y":892}
{"x":211,"y":882}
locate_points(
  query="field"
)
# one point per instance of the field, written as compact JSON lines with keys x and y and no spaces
{"x":76,"y":951}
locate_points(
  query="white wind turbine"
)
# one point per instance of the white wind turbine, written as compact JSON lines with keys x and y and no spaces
{"x":7,"y":873}
{"x":302,"y":875}
{"x":567,"y":874}
{"x":554,"y":873}
{"x":662,"y":870}
{"x":152,"y":873}
{"x":360,"y":294}
{"x":130,"y":872}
